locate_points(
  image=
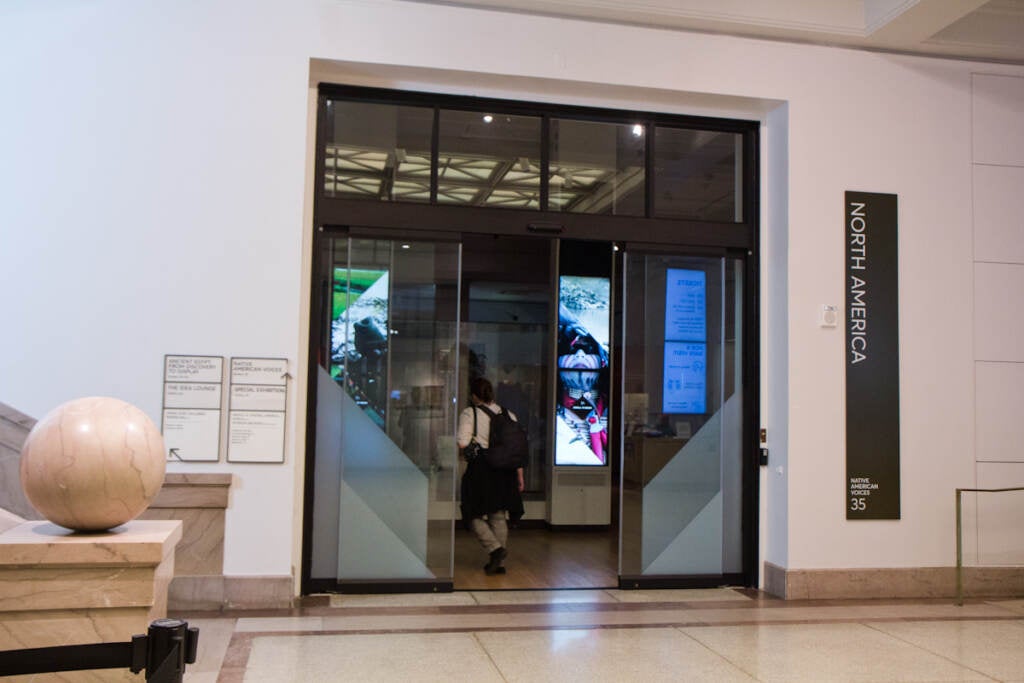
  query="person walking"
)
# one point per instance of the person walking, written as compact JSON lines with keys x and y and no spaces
{"x":490,"y":497}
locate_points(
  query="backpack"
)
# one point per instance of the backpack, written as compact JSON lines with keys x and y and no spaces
{"x":506,"y":448}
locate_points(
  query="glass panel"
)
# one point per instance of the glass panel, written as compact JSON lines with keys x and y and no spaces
{"x":386,"y":413}
{"x":507,"y":335}
{"x":596,"y":168}
{"x":489,"y":159}
{"x":697,"y":175}
{"x":682,"y":425}
{"x":379,"y":152}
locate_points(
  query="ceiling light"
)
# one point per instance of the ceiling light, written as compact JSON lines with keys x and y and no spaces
{"x":488,"y":118}
{"x":638,"y":130}
{"x":405,"y":246}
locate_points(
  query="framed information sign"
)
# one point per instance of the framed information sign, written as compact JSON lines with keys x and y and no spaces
{"x":191,"y":415}
{"x":257,"y":410}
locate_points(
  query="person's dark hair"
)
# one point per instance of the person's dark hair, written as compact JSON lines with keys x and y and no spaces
{"x":482,"y":389}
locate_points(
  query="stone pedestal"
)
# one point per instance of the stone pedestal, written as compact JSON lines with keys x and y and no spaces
{"x":58,"y":587}
{"x":200,"y":501}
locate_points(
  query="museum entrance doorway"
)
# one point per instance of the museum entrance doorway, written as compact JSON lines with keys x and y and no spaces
{"x":572,"y":258}
{"x":624,"y":362}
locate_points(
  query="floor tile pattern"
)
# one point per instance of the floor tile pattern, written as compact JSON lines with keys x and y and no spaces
{"x":612,"y":635}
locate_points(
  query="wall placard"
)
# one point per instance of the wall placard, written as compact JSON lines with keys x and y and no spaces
{"x":265,"y":371}
{"x":191,"y":413}
{"x":872,"y":357}
{"x":257,"y":409}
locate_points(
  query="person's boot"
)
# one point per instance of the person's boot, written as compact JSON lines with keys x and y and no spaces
{"x":493,"y":565}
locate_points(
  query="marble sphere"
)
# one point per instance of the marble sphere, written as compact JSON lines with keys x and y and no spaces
{"x":92,"y":464}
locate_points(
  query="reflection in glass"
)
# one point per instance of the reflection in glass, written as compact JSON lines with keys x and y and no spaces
{"x":697,"y":175}
{"x":489,"y":160}
{"x":378,"y":152}
{"x":596,"y":168}
{"x":383,"y":152}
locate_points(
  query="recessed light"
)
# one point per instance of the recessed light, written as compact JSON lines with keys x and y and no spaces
{"x":488,"y":118}
{"x":638,"y":130}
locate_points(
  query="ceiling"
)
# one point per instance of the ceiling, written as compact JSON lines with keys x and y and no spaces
{"x":989,"y":30}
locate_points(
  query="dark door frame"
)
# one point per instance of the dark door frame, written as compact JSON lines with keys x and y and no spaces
{"x":332,"y":215}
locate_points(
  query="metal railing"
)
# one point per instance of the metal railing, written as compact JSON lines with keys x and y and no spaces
{"x":163,"y":652}
{"x":959,"y":536}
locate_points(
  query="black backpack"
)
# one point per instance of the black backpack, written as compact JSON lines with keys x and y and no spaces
{"x":506,"y":448}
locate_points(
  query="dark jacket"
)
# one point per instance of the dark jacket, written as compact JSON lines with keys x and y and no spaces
{"x":486,"y":490}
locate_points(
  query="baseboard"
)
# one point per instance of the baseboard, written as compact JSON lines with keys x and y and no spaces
{"x":218,"y":593}
{"x":909,"y":582}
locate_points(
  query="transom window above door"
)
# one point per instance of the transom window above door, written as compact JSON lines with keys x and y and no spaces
{"x":391,"y":147}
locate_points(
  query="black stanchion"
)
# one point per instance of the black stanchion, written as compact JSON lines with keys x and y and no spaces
{"x":170,"y":641}
{"x":163,"y":652}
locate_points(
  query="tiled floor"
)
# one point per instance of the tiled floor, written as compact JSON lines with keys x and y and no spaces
{"x":610,"y":635}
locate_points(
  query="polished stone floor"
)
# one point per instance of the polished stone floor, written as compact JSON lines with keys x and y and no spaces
{"x":611,"y":635}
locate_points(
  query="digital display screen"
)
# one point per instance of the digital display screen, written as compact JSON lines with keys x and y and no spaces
{"x":359,"y":341}
{"x":685,"y":389}
{"x":584,"y":328}
{"x":684,"y":379}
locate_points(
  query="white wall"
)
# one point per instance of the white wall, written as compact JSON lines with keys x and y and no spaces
{"x":152,"y":192}
{"x":154,"y":199}
{"x":993,"y":520}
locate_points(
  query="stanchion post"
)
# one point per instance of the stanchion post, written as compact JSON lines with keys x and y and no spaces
{"x":170,"y":645}
{"x":163,"y":652}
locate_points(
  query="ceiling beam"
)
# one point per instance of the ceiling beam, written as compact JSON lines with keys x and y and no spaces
{"x":902,"y":26}
{"x":911,"y":22}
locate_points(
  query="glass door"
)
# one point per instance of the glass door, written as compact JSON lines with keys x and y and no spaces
{"x":385,"y":460}
{"x":682,"y":378}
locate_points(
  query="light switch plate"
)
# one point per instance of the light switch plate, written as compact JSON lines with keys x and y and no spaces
{"x":829,"y":315}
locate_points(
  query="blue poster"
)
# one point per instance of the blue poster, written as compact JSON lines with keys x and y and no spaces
{"x":685,"y":307}
{"x":684,"y":377}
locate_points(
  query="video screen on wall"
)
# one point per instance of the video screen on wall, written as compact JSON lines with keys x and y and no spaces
{"x":684,"y":389}
{"x":359,"y":343}
{"x":584,"y":330}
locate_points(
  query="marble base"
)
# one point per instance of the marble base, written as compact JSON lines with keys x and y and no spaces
{"x":58,"y":587}
{"x":199,"y":500}
{"x":218,"y":592}
{"x":909,"y":582}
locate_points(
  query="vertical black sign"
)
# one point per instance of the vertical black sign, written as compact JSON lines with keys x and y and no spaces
{"x":872,"y":357}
